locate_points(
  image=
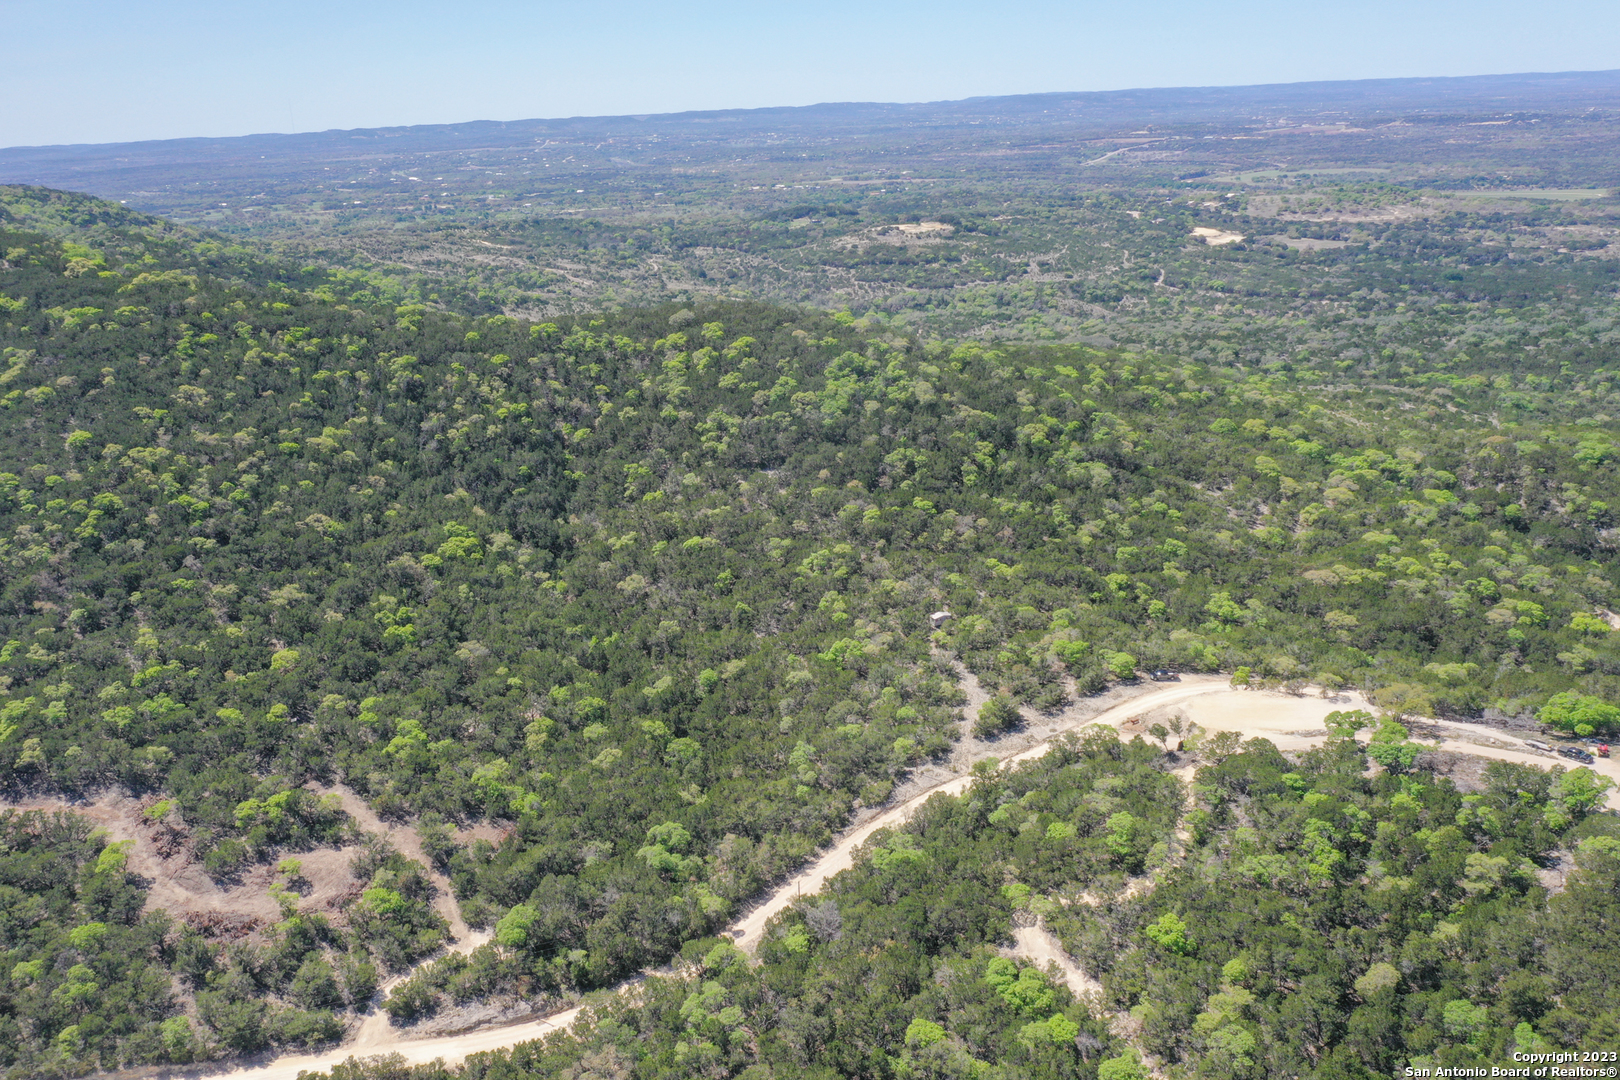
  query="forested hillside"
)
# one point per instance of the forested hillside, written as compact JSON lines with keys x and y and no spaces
{"x":650,"y":589}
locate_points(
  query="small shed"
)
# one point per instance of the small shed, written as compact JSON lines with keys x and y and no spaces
{"x":937,"y":619}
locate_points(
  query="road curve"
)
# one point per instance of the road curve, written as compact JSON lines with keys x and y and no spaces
{"x":450,"y":1048}
{"x":1290,"y":722}
{"x":748,"y":931}
{"x":840,"y":856}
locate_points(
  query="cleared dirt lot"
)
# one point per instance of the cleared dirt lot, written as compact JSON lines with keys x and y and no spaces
{"x":179,"y":884}
{"x":1216,"y":237}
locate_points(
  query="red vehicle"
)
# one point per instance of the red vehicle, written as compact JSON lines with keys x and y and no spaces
{"x":1603,"y":750}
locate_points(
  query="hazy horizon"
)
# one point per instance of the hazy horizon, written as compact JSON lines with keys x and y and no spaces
{"x":140,"y":72}
{"x":851,"y":102}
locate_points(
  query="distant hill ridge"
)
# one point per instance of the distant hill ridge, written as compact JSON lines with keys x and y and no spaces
{"x":60,"y":165}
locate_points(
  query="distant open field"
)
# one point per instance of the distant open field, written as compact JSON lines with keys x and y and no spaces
{"x":1548,"y":194}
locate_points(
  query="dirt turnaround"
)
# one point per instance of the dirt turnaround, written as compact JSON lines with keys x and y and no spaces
{"x":1291,"y":723}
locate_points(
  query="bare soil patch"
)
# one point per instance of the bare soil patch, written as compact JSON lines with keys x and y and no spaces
{"x":177,"y":881}
{"x":405,"y":839}
{"x":906,"y":233}
{"x":1306,"y":243}
{"x":1042,"y":948}
{"x":1216,"y":237}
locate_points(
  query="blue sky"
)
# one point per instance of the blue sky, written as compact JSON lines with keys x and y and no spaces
{"x":93,"y":71}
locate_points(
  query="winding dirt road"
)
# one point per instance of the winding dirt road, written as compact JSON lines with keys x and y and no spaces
{"x":748,"y":931}
{"x":375,"y":1033}
{"x":841,"y":855}
{"x":1292,"y":723}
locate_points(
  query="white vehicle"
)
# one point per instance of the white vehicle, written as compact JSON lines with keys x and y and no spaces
{"x":1534,"y":745}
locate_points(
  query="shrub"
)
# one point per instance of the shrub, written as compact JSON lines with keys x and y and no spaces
{"x":997,"y":715}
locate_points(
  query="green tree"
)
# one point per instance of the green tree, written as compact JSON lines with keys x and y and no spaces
{"x":1169,"y":932}
{"x":997,"y":715}
{"x":1579,"y":713}
{"x":1126,"y":1066}
{"x":1122,"y":665}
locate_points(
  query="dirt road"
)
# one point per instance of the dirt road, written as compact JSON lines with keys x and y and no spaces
{"x":404,"y":838}
{"x":1042,"y":948}
{"x":376,"y":1033}
{"x":376,"y":1037}
{"x":1292,"y":723}
{"x":452,"y":1049}
{"x":1296,"y":724}
{"x":840,"y":856}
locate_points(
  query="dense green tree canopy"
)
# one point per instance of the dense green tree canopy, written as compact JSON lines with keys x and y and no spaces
{"x":651,"y":589}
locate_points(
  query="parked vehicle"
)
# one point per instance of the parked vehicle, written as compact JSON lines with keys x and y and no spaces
{"x":1603,"y":750}
{"x":1161,"y":675}
{"x":1534,"y":745}
{"x":1575,"y":753}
